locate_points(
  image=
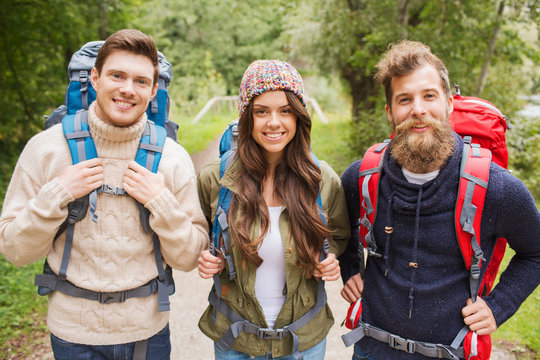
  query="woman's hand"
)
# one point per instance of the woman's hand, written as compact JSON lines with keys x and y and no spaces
{"x":328,"y":269}
{"x":209,"y":265}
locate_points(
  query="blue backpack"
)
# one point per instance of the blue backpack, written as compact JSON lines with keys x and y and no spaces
{"x":220,"y":230}
{"x":74,"y":117}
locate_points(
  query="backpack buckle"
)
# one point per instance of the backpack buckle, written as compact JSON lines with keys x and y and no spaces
{"x":111,"y":297}
{"x":267,"y":333}
{"x":399,"y":343}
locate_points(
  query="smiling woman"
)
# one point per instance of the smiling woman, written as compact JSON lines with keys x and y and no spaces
{"x":277,"y":229}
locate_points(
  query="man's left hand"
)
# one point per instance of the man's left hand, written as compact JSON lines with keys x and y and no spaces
{"x":142,"y":184}
{"x":479,"y":317}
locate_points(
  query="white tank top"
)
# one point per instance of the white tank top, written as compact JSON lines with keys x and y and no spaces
{"x":270,"y":278}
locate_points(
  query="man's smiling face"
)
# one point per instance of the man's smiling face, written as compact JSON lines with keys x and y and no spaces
{"x":124,"y":87}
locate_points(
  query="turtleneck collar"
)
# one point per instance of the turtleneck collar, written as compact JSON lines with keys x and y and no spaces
{"x":114,"y":141}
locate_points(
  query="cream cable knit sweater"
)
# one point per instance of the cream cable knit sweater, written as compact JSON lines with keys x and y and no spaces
{"x":112,"y":254}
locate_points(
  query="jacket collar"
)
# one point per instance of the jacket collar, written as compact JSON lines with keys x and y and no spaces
{"x":231,"y":176}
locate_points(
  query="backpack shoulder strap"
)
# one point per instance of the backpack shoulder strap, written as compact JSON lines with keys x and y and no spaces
{"x":77,"y":133}
{"x":368,"y":183}
{"x":149,"y":155}
{"x":151,"y":146}
{"x":326,"y":244}
{"x":474,"y":177}
{"x":220,"y":226}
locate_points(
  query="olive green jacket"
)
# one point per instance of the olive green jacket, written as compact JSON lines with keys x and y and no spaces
{"x":301,"y":292}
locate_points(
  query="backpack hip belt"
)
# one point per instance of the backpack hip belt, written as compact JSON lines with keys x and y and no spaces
{"x":409,"y":346}
{"x":239,"y":324}
{"x":55,"y":283}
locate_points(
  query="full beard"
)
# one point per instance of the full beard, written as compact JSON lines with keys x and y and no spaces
{"x":422,"y":153}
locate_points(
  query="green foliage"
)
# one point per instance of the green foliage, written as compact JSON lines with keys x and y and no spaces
{"x":524,"y":151}
{"x":8,"y":159}
{"x":196,"y":137}
{"x":522,"y":329}
{"x":21,"y":309}
{"x":348,"y":37}
{"x":211,"y":43}
{"x":329,"y":142}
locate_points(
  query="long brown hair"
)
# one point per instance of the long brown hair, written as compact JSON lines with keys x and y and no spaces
{"x":297,"y":180}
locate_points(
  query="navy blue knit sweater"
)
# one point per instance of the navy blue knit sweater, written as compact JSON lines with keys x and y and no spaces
{"x":425,"y":303}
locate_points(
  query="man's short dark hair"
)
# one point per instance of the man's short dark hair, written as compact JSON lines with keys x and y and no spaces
{"x":130,"y":40}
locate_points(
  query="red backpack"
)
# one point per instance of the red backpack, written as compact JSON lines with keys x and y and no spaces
{"x":483,"y":127}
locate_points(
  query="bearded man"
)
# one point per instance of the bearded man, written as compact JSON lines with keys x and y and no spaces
{"x":415,"y":292}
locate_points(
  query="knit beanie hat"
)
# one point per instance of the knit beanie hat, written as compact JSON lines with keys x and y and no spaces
{"x":269,"y":75}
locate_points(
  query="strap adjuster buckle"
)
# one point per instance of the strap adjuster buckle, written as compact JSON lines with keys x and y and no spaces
{"x":111,"y":297}
{"x":402,"y":344}
{"x":266,"y":333}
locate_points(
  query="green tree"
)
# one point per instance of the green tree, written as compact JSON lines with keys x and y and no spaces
{"x":37,"y":39}
{"x":478,"y":40}
{"x":210,"y":43}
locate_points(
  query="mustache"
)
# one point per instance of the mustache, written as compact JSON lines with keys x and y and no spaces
{"x":413,"y":121}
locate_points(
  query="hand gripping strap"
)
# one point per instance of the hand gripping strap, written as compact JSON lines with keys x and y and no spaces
{"x":368,"y":183}
{"x":474,"y":177}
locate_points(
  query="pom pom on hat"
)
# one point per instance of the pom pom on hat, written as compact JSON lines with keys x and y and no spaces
{"x":269,"y":75}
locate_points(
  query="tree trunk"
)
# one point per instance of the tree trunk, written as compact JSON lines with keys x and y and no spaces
{"x":491,"y":50}
{"x":103,"y":18}
{"x":364,"y":90}
{"x":403,"y":17}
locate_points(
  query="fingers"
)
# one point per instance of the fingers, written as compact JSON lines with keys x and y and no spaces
{"x":479,"y":317}
{"x":348,"y":295}
{"x":81,"y":178}
{"x":142,"y":184}
{"x":353,"y":288}
{"x":329,"y":269}
{"x":208,"y":265}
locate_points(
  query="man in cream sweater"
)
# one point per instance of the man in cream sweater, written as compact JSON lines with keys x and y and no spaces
{"x":114,"y":254}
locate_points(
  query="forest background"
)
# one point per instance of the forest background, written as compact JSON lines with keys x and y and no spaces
{"x":491,"y":48}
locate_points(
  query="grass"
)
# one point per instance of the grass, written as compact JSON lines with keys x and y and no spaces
{"x":522,"y":330}
{"x":21,"y":310}
{"x":330,"y":142}
{"x":196,"y":137}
